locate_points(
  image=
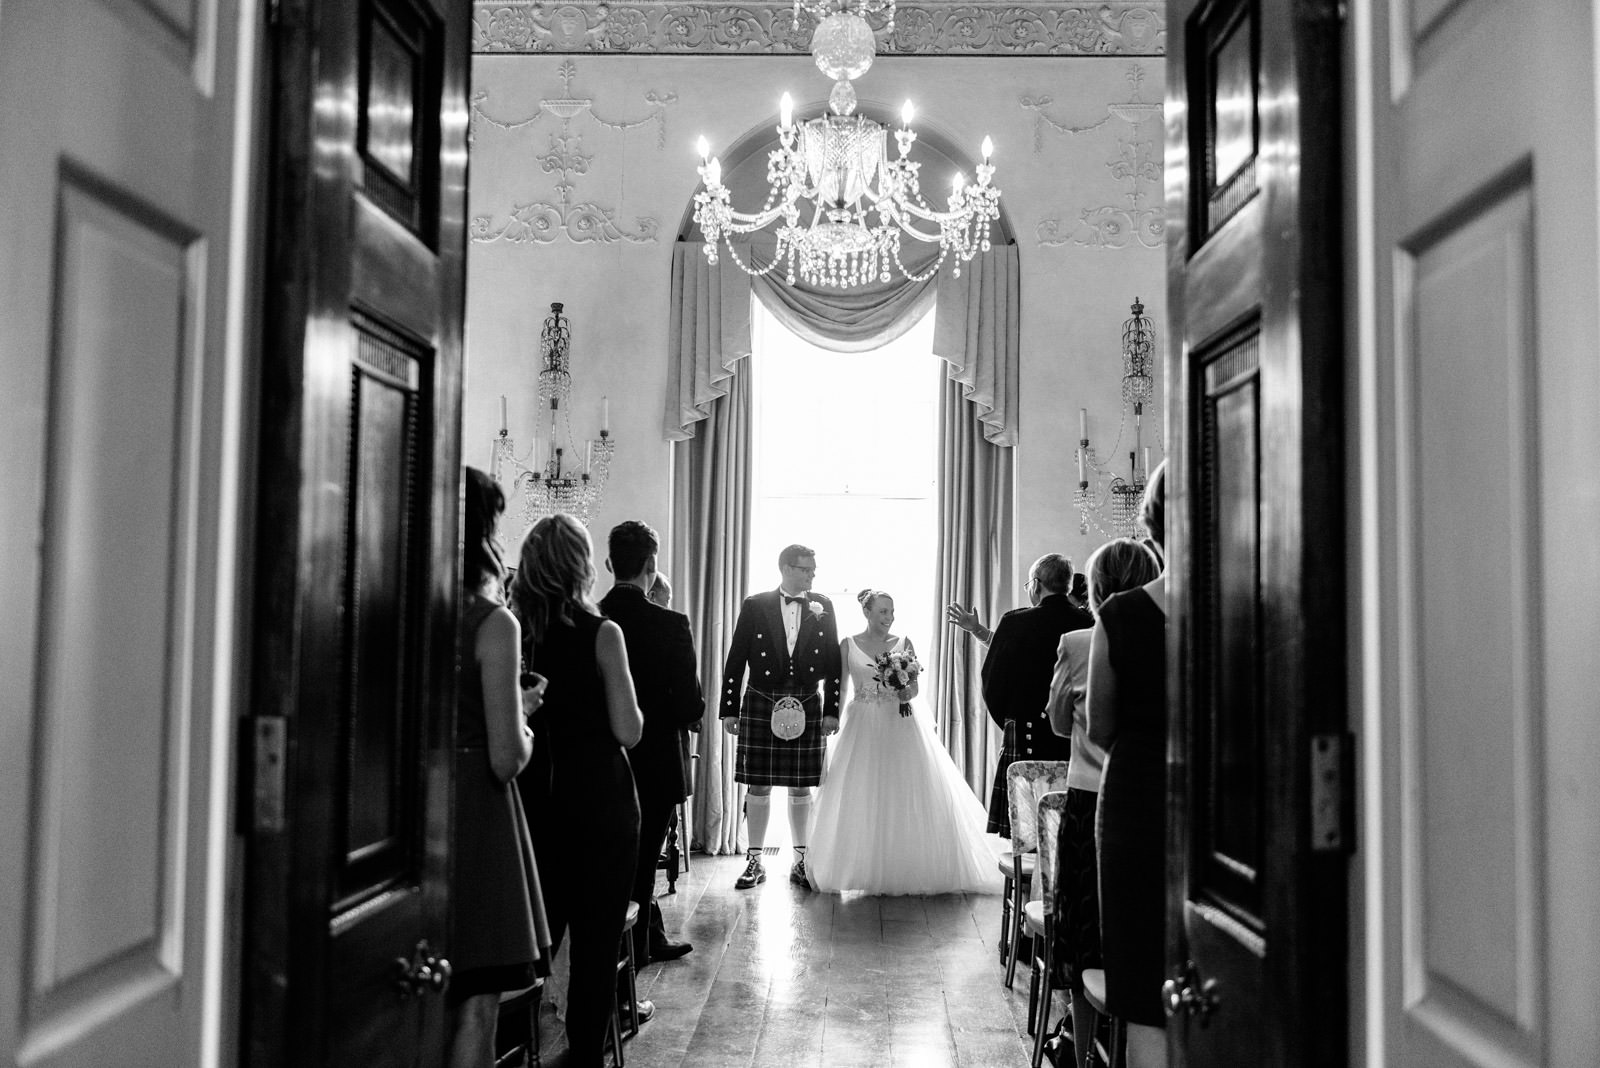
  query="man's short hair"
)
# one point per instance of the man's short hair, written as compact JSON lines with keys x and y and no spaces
{"x":630,"y":546}
{"x":1053,"y":572}
{"x":791,"y":555}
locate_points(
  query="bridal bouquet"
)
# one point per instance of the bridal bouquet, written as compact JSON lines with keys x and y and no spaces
{"x":898,"y":671}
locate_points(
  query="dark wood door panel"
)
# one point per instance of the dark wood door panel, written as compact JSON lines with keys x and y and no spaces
{"x":1255,"y":532}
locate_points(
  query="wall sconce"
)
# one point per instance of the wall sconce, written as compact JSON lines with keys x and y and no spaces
{"x":545,"y":480}
{"x":1105,"y":500}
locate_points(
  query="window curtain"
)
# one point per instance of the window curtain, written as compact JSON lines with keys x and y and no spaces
{"x":976,"y":333}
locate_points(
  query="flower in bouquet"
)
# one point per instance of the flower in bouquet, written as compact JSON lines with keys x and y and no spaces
{"x":898,"y":671}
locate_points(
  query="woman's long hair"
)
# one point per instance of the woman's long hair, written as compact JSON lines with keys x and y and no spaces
{"x":480,"y":555}
{"x":554,"y":575}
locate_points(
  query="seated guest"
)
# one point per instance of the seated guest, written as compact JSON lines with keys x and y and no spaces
{"x":1016,"y":675}
{"x":662,"y":661}
{"x":1123,"y":564}
{"x":578,"y":789}
{"x":1127,"y":709}
{"x":500,"y":933}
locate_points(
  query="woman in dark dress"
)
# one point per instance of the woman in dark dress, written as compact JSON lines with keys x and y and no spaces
{"x":1118,"y":565}
{"x":500,"y":935}
{"x":1127,"y":707}
{"x":578,"y":788}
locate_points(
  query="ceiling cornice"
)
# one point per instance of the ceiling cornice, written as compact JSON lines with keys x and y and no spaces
{"x":925,"y":28}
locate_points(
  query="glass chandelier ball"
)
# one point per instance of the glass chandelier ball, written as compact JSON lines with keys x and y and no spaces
{"x":843,"y":45}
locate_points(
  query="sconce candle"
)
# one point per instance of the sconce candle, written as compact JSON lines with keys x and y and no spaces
{"x":503,"y":426}
{"x":1083,"y":423}
{"x":605,"y":414}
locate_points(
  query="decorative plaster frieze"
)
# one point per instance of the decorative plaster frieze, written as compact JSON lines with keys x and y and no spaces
{"x":1137,"y":165}
{"x":1113,"y":27}
{"x":542,"y":222}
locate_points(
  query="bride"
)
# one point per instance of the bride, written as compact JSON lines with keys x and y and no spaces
{"x":894,"y":815}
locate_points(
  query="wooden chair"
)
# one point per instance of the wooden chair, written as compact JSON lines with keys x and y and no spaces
{"x":516,"y":1030}
{"x":677,"y":850}
{"x":1039,"y":919}
{"x":1092,"y":1052}
{"x":1026,"y":782}
{"x":627,"y":999}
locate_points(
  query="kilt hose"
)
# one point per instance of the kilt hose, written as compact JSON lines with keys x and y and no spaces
{"x":763,"y":758}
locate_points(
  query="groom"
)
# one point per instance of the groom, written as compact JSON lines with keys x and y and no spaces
{"x":790,"y":642}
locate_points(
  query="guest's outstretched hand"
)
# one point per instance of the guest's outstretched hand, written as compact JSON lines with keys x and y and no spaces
{"x":965,"y":618}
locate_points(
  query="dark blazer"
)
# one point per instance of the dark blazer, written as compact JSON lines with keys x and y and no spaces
{"x":1017,"y":671}
{"x":662,"y":661}
{"x":759,"y":645}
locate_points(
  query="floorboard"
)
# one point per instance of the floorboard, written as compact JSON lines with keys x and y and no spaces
{"x":782,"y":977}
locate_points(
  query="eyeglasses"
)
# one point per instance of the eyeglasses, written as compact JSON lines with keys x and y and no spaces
{"x":1030,"y":584}
{"x":812,"y":570}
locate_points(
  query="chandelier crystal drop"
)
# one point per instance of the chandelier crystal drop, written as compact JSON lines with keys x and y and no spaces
{"x":546,"y":480}
{"x":840,"y":202}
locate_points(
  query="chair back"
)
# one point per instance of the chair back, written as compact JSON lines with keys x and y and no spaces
{"x":1052,"y":809}
{"x":1026,"y":782}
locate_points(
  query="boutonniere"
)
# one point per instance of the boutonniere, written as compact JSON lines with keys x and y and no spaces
{"x":817,"y":611}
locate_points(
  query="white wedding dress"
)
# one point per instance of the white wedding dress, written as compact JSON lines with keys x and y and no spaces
{"x":894,"y":815}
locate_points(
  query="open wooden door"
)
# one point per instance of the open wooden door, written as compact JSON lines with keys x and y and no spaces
{"x":358,"y":536}
{"x":127,"y":143}
{"x":1477,"y":276}
{"x":1259,"y":824}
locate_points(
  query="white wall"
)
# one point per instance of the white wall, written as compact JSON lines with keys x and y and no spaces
{"x":1074,"y":296}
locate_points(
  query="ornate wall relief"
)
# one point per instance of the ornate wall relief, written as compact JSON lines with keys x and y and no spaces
{"x":542,"y":222}
{"x":1114,"y":27}
{"x":1137,"y":166}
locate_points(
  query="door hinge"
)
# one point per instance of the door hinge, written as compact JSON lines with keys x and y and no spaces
{"x":269,"y":744}
{"x":1332,"y":807}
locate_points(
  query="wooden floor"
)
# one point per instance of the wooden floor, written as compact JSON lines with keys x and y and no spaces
{"x":782,"y":977}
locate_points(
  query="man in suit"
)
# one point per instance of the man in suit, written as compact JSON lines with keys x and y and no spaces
{"x":788,"y":639}
{"x":1017,"y":671}
{"x":661,"y":659}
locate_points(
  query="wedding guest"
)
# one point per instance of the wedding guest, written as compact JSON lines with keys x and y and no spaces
{"x":501,"y":940}
{"x":1127,"y":715}
{"x":579,"y":783}
{"x":1123,"y":564}
{"x":660,"y":593}
{"x":662,"y":660}
{"x":1016,"y":675}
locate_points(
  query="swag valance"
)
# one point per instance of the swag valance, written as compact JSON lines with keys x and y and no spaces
{"x":976,"y":329}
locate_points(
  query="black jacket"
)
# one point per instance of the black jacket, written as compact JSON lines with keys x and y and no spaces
{"x":1016,"y":673}
{"x":759,"y":644}
{"x":662,"y":661}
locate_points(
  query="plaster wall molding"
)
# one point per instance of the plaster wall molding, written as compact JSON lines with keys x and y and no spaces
{"x":1110,"y":27}
{"x":581,"y":222}
{"x":1137,"y":167}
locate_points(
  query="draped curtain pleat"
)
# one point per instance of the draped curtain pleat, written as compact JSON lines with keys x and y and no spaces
{"x":977,"y":568}
{"x":710,"y":573}
{"x":708,"y":415}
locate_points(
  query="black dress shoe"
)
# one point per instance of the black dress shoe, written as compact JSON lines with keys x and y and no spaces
{"x":797,"y":874}
{"x":753,"y":873}
{"x":664,"y":950}
{"x":646,"y":1010}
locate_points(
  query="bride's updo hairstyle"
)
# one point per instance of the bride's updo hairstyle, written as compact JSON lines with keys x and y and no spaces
{"x":869,"y":597}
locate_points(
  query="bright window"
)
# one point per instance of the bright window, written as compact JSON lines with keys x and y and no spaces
{"x":846,"y":461}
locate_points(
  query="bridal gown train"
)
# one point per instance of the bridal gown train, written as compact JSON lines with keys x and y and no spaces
{"x":894,"y":815}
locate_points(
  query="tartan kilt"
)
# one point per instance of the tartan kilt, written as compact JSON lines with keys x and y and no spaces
{"x":999,"y":801}
{"x":763,"y":758}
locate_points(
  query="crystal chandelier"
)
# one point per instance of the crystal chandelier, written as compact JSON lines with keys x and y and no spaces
{"x":545,"y":479}
{"x":841,"y":203}
{"x":1112,"y":496}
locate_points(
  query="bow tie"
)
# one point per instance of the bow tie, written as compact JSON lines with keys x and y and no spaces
{"x":787,"y":600}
